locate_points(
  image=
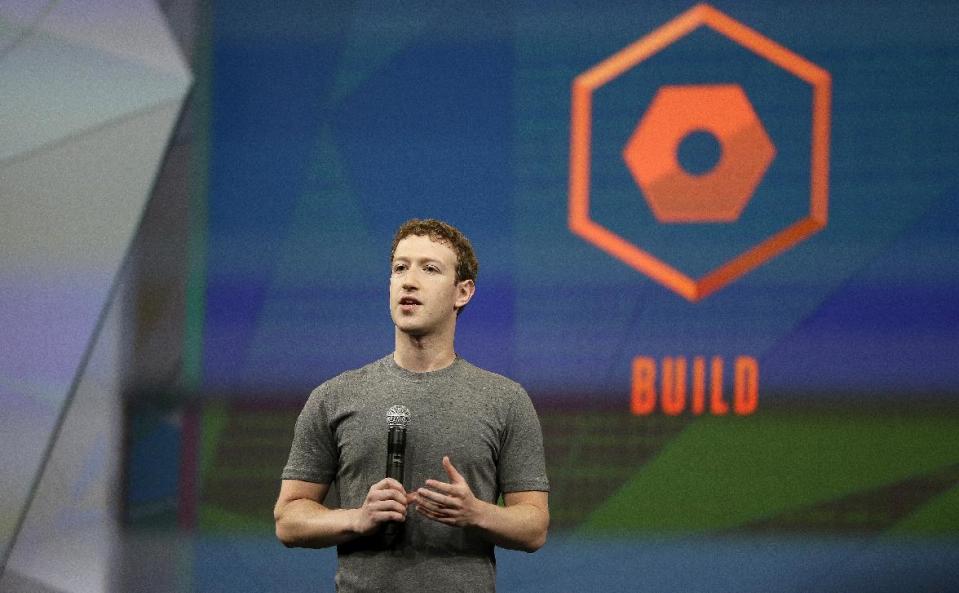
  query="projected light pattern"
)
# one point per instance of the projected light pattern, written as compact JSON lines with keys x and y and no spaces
{"x":424,"y":134}
{"x":469,"y":123}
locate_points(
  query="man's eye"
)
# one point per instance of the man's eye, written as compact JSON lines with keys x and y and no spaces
{"x":432,"y":269}
{"x":398,"y":268}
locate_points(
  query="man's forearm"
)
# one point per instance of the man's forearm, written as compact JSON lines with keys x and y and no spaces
{"x":303,"y":521}
{"x":308,"y":524}
{"x":519,"y":527}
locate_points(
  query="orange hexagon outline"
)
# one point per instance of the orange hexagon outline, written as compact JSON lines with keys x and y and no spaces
{"x":581,"y":132}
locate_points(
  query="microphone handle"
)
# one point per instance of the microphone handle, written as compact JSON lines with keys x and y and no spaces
{"x":395,"y":454}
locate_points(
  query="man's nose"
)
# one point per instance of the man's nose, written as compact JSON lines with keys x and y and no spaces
{"x":410,"y":281}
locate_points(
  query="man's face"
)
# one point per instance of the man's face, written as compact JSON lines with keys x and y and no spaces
{"x":424,"y":293}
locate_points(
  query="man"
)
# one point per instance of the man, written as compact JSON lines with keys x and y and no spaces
{"x":473,"y":435}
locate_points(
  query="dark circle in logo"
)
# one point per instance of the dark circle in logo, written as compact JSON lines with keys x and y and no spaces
{"x":699,"y":152}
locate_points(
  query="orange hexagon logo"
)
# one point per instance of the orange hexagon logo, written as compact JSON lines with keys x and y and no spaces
{"x":719,"y":195}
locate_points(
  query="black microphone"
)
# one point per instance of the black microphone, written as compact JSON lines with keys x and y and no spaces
{"x":398,"y":418}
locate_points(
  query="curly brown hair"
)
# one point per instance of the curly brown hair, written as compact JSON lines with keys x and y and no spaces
{"x":466,"y":265}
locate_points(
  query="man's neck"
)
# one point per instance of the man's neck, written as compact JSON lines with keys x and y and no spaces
{"x":421,"y":354}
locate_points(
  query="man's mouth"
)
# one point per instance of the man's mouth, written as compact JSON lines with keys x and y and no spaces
{"x":408,"y":303}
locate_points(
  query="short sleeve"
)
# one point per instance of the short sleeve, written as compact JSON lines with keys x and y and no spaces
{"x":313,"y":454}
{"x":522,"y":465}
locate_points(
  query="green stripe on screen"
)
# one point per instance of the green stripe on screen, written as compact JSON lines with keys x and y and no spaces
{"x":940,"y":516}
{"x":199,"y":186}
{"x":213,"y":423}
{"x":214,"y":518}
{"x":724,"y":472}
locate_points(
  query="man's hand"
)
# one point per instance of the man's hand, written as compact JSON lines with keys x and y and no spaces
{"x":520,"y":525}
{"x":386,"y":501}
{"x":450,"y":502}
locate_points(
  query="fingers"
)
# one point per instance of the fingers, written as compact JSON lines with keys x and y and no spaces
{"x":438,"y":507}
{"x":454,"y":475}
{"x":450,"y":502}
{"x":384,"y":494}
{"x":437,"y":512}
{"x":456,"y":479}
{"x":444,"y":494}
{"x":387,"y":488}
{"x":441,"y":487}
{"x":381,"y":513}
{"x":388,"y":483}
{"x":386,"y":501}
{"x":436,"y":516}
{"x":435,"y":500}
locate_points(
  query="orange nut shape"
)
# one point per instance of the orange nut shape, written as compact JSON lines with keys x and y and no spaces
{"x":720,"y":194}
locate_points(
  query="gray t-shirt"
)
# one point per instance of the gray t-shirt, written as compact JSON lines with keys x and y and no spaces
{"x":484,"y":422}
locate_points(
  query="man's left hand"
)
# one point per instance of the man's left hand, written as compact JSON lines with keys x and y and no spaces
{"x":450,"y":502}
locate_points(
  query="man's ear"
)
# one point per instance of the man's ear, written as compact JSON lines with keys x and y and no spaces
{"x":464,"y":292}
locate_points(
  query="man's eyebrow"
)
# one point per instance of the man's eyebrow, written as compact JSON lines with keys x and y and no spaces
{"x":421,"y":260}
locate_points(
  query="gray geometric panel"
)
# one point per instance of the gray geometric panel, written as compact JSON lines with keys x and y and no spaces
{"x":89,"y":93}
{"x":69,"y":536}
{"x":64,"y":77}
{"x":14,"y":582}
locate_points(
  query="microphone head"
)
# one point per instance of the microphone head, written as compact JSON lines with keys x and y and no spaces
{"x":398,"y":416}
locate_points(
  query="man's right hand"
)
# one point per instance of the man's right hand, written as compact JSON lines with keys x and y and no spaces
{"x":386,"y":501}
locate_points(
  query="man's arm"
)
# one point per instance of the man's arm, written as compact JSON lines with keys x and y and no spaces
{"x":520,"y":525}
{"x":303,"y":521}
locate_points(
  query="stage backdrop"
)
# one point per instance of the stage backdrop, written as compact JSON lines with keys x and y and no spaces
{"x":717,"y":246}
